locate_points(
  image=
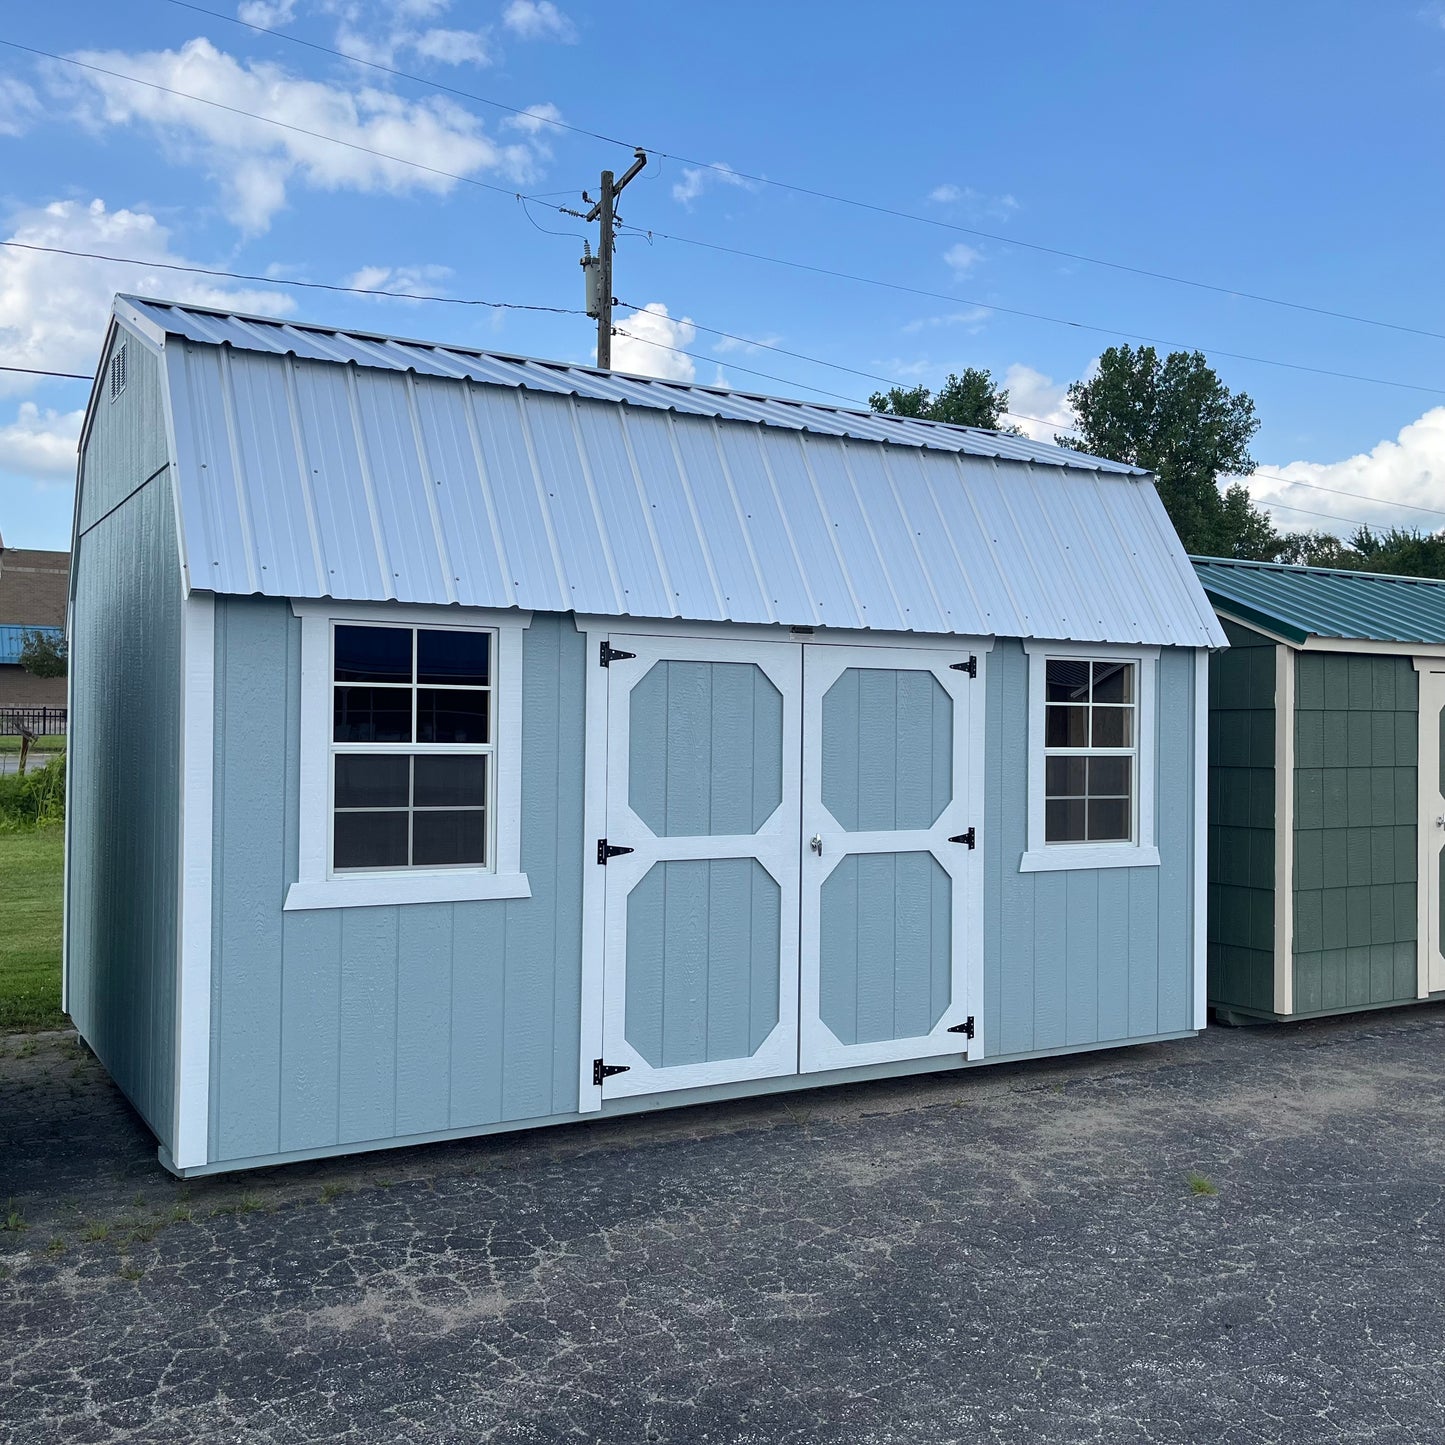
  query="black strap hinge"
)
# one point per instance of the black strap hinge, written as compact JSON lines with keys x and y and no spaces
{"x":965,"y":1028}
{"x":967,"y":839}
{"x":606,"y":850}
{"x":610,"y":654}
{"x":602,"y":1071}
{"x":970,"y":667}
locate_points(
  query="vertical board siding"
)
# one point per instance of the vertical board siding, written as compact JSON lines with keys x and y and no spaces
{"x":1241,"y":821}
{"x":1086,"y":956}
{"x":332,"y":1027}
{"x":705,"y":748}
{"x":1356,"y":788}
{"x":126,"y":444}
{"x":123,"y":868}
{"x":886,"y":966}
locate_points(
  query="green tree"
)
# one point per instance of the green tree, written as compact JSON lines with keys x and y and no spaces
{"x":971,"y":398}
{"x":1404,"y":551}
{"x":44,"y":654}
{"x":1175,"y":417}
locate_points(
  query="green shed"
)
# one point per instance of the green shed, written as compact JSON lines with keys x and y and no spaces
{"x":1326,"y":790}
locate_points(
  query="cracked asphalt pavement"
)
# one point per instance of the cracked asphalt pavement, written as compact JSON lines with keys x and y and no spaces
{"x":1230,"y":1239}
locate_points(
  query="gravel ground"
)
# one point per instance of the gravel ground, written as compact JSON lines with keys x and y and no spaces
{"x":1229,"y":1239}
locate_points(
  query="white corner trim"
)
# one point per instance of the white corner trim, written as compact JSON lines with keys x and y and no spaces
{"x":314,"y":888}
{"x":1040,"y":857}
{"x":193,"y":1002}
{"x":1431,"y":671}
{"x":594,"y":879}
{"x":1200,"y":859}
{"x":1284,"y":725}
{"x":373,"y":890}
{"x":1060,"y":856}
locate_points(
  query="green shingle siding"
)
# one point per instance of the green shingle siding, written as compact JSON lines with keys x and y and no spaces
{"x":1241,"y":821}
{"x":1356,"y":791}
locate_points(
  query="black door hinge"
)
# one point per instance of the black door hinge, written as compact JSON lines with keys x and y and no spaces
{"x":965,"y":1028}
{"x":602,"y":1071}
{"x":610,"y":654}
{"x":606,"y":850}
{"x":970,"y":667}
{"x":967,"y":839}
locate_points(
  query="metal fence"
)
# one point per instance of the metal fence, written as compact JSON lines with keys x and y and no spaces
{"x":38,"y":722}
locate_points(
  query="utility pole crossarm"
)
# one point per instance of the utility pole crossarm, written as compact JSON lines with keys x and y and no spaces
{"x":604,"y":212}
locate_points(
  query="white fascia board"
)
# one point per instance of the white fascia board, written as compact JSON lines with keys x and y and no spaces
{"x":193,"y":1000}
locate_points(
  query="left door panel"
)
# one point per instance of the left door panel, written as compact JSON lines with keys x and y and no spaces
{"x":700,"y":975}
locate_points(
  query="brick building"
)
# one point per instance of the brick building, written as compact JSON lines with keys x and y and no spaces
{"x":33,"y":590}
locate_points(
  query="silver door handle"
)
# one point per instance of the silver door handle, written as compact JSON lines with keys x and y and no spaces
{"x":1440,"y":822}
{"x":816,"y":842}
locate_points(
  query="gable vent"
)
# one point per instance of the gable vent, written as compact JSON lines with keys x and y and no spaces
{"x":117,"y":373}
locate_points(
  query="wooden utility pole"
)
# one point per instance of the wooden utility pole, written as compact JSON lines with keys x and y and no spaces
{"x":603,"y":211}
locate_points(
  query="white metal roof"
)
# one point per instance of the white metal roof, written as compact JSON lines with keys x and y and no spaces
{"x":314,"y":463}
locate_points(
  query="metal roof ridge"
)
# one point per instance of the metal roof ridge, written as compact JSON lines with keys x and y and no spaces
{"x":662,"y":386}
{"x":1300,"y":568}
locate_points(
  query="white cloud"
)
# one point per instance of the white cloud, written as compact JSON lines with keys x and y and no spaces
{"x":728,"y":345}
{"x":1409,"y":469}
{"x":269,"y":14}
{"x":535,"y":119}
{"x":970,"y":320}
{"x":41,"y":444}
{"x":1032,"y":394}
{"x":961,"y":259}
{"x":696,"y":179}
{"x":19,"y":105}
{"x":651,"y":330}
{"x":255,"y":162}
{"x":386,"y":46}
{"x":975,"y":202}
{"x":410,"y":280}
{"x":907,"y":370}
{"x":53,"y":309}
{"x":538,"y":20}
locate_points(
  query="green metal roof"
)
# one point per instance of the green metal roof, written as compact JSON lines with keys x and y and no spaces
{"x":1297,"y":603}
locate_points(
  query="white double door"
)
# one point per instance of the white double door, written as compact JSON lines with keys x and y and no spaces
{"x":791,"y":884}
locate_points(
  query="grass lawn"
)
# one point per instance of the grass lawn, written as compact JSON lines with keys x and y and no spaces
{"x":10,"y":744}
{"x":30,"y":874}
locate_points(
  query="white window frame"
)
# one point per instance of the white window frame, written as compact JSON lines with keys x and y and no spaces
{"x":316,"y":885}
{"x":1142,"y":852}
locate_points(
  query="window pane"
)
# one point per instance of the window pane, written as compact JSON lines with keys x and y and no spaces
{"x":1066,"y":727}
{"x":447,"y":782}
{"x":372,"y":780}
{"x":1108,"y":819}
{"x":1064,"y":821}
{"x":1064,"y":777}
{"x":1113,"y":682}
{"x":373,"y":654}
{"x":1067,"y":681}
{"x":1109,"y":777}
{"x":1113,"y":727}
{"x":373,"y":715}
{"x":439,"y":839}
{"x":370,"y":840}
{"x":456,"y":657}
{"x":451,"y":717}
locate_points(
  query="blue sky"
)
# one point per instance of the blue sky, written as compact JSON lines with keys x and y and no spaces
{"x":1292,"y":150}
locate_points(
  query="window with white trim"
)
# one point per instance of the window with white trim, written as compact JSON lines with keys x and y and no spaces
{"x":412,"y":747}
{"x":411,"y":755}
{"x":1091,"y":743}
{"x":1090,"y":750}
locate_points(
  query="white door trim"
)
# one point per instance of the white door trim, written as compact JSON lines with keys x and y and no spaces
{"x":774,"y":845}
{"x":1429,"y":963}
{"x":819,"y":1048}
{"x":1284,"y":727}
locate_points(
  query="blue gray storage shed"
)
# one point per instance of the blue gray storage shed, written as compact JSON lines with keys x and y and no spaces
{"x":1327,"y":790}
{"x":464,"y":743}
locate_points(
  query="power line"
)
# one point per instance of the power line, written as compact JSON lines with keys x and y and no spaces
{"x":279,"y":281}
{"x":1031,"y":315}
{"x":819,"y":194}
{"x":36,"y":371}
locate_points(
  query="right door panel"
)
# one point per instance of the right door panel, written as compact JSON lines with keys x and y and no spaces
{"x":1432,"y":824}
{"x":890,"y":947}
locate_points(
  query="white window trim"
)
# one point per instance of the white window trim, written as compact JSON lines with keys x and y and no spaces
{"x":1041,"y":857}
{"x":313,"y":887}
